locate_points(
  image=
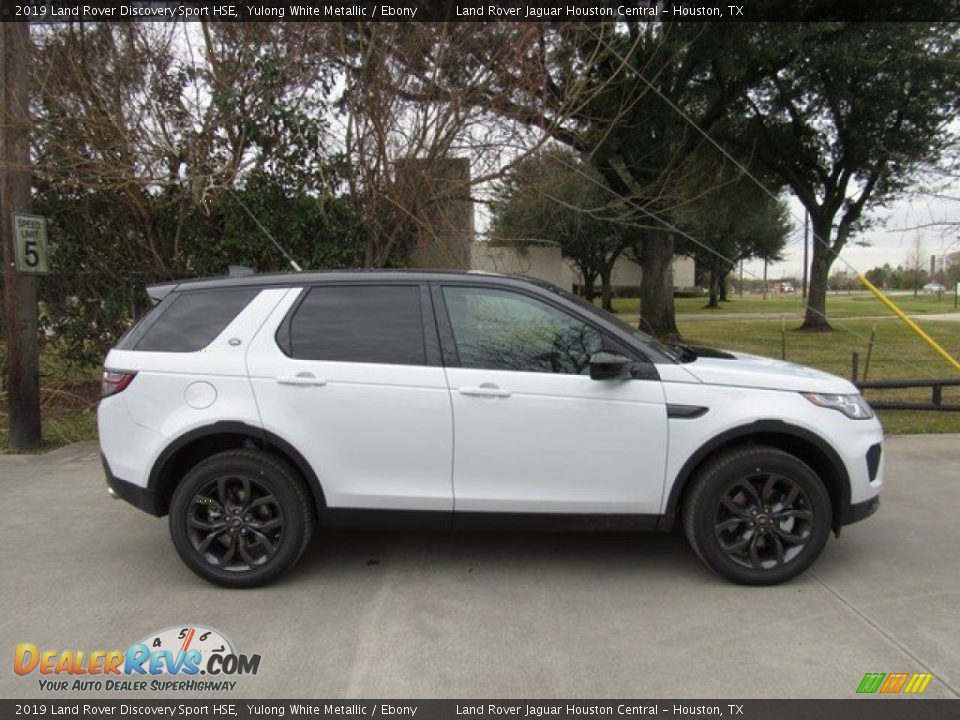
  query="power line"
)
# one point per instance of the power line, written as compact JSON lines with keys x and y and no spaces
{"x":724,"y":152}
{"x":293,"y":263}
{"x":746,"y":172}
{"x":673,"y":228}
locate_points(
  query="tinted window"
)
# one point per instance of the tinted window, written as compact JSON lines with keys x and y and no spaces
{"x":129,"y":340}
{"x":359,"y":323}
{"x":502,"y":330}
{"x":193,"y":319}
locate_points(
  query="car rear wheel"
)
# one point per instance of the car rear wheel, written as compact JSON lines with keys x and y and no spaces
{"x":757,"y":515}
{"x":240,"y":518}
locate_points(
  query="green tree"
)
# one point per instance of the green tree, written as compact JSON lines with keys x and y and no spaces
{"x":883,"y":277}
{"x":553,"y":197}
{"x":728,"y":222}
{"x":845,"y":114}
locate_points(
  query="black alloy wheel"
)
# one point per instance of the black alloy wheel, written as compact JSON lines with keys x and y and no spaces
{"x":235,"y":523}
{"x":241,"y":518}
{"x":763,"y":521}
{"x":757,"y":515}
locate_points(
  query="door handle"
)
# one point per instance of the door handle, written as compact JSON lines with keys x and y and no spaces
{"x":484,"y":391}
{"x":303,"y":378}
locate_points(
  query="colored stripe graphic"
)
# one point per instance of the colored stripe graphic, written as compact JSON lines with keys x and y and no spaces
{"x":894,"y":682}
{"x":914,"y":683}
{"x":918,"y":682}
{"x":870,"y":683}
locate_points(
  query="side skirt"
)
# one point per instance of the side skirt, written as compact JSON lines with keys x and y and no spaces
{"x":480,"y":521}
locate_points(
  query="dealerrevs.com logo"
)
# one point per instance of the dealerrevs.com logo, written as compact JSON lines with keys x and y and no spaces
{"x":183,"y":652}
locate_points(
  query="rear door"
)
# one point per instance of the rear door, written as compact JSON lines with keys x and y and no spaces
{"x":351,"y":375}
{"x":533,"y":432}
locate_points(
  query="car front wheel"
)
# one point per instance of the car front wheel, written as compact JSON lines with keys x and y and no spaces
{"x":240,"y":518}
{"x":757,"y":515}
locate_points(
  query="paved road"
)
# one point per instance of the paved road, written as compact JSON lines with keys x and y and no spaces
{"x":425,"y":615}
{"x":790,"y":317}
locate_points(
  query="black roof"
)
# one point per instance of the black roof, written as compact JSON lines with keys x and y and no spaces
{"x":291,"y":279}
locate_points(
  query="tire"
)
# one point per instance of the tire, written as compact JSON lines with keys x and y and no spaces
{"x":241,"y":518}
{"x":762,"y":536}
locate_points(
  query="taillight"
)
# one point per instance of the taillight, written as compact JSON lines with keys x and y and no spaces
{"x":115,"y":381}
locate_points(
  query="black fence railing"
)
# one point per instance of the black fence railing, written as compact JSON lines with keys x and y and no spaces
{"x":936,"y":386}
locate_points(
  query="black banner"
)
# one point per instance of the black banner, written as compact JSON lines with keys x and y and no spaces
{"x":863,"y":709}
{"x":53,"y":11}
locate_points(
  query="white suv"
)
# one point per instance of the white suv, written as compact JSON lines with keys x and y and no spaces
{"x":252,"y":409}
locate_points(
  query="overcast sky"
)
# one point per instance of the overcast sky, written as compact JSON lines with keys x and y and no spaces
{"x":889,"y":241}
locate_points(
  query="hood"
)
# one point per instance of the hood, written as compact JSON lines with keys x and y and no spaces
{"x":744,"y":370}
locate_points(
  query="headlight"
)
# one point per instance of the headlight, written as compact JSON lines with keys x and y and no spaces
{"x":853,"y":406}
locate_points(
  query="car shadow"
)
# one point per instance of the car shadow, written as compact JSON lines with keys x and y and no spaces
{"x":348,"y":552}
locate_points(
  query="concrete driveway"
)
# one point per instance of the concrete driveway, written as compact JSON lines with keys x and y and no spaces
{"x":394,"y":615}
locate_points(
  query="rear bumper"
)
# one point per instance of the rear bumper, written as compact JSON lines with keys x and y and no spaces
{"x":134,"y":494}
{"x":861,"y":511}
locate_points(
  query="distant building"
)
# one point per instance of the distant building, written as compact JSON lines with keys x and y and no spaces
{"x":545,"y":262}
{"x":438,"y":193}
{"x":950,"y":260}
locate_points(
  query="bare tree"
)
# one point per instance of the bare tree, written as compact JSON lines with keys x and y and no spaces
{"x":597,"y":88}
{"x":402,"y":137}
{"x":157,"y":116}
{"x":915,"y":264}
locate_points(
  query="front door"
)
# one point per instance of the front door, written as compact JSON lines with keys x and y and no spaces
{"x":532,"y":432}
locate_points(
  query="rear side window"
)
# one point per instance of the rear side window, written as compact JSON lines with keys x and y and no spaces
{"x":194,"y":319}
{"x":129,"y":340}
{"x":359,"y":323}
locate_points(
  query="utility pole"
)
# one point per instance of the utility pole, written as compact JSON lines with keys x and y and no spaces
{"x":19,"y":290}
{"x":806,"y":248}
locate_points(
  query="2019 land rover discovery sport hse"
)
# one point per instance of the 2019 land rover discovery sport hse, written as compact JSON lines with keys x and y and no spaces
{"x":253,"y":409}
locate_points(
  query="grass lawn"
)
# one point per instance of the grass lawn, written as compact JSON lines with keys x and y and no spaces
{"x":840,"y":305}
{"x":898,"y":353}
{"x":68,"y":399}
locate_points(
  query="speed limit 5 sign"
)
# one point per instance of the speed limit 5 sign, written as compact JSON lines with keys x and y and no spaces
{"x":30,"y":237}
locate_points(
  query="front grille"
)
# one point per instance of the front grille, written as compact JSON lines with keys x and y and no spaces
{"x":873,"y":460}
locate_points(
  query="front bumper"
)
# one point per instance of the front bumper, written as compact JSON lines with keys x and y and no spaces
{"x":134,"y":494}
{"x":861,"y":511}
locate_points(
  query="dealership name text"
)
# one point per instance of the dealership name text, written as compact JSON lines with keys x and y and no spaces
{"x":621,"y":709}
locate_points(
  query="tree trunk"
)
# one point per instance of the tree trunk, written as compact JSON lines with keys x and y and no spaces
{"x":815,"y":318}
{"x":712,"y":302}
{"x":722,"y":289}
{"x":589,"y":286}
{"x":606,"y":288}
{"x":657,"y":312}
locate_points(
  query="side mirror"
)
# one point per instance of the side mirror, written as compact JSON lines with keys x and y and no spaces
{"x":609,"y":366}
